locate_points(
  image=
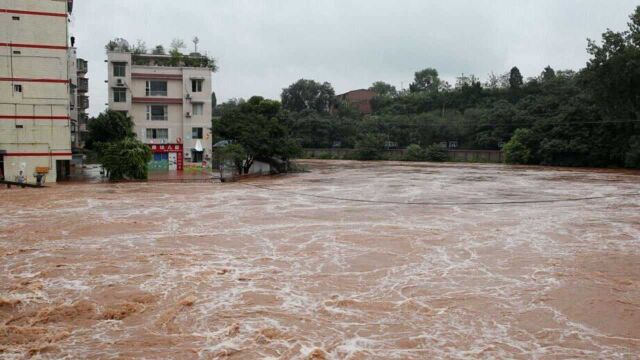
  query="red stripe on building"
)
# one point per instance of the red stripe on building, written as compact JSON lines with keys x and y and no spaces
{"x":33,"y":154}
{"x":27,"y":117}
{"x":162,"y":101}
{"x":34,"y":80}
{"x":38,"y":13}
{"x":156,"y":76}
{"x":35,"y":46}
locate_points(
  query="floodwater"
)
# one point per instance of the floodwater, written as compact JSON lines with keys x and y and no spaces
{"x":487,"y":261}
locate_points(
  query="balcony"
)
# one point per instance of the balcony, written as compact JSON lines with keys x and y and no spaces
{"x":83,"y":85}
{"x":83,"y":102}
{"x":83,"y":66}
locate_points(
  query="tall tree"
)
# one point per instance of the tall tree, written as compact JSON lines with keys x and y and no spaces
{"x":426,"y":80}
{"x":384,"y":89}
{"x":548,"y":74}
{"x":308,"y":95}
{"x":214,"y":101}
{"x":612,"y":76}
{"x":515,"y":78}
{"x":257,"y":126}
{"x":110,"y":126}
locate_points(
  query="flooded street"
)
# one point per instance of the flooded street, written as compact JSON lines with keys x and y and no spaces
{"x":349,"y":261}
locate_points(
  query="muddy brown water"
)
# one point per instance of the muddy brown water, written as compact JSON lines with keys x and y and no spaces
{"x":206,"y":271}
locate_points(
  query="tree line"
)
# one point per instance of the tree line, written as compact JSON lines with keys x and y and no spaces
{"x":589,"y":117}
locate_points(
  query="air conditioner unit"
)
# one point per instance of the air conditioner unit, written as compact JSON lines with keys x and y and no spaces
{"x":120,"y":82}
{"x":188,"y":97}
{"x":188,"y":115}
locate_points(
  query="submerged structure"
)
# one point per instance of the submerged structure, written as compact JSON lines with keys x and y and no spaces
{"x":35,"y":117}
{"x":169,"y":99}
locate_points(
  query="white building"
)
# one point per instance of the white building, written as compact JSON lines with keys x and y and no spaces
{"x":170,"y":102}
{"x":35,"y":131}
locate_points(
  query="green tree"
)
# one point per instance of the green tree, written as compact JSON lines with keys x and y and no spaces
{"x":611,"y":76}
{"x":548,"y":74}
{"x":414,"y":153}
{"x":118,"y":45}
{"x":383,"y":89}
{"x":259,"y":127}
{"x":515,"y":78}
{"x":369,"y":147}
{"x":214,"y":101}
{"x":426,"y":80}
{"x":139,"y":48}
{"x":308,"y":95}
{"x":110,"y":126}
{"x":517,"y":150}
{"x":232,"y":153}
{"x":436,"y":153}
{"x":126,"y":159}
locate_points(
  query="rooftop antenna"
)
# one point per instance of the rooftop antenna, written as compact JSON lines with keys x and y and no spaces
{"x":196,"y":41}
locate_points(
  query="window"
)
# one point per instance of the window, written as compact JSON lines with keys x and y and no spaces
{"x":157,"y":112}
{"x":156,"y":88}
{"x":196,"y":85}
{"x":119,"y":69}
{"x":162,"y":134}
{"x":161,"y":157}
{"x":17,"y":88}
{"x":16,"y":18}
{"x":119,"y":95}
{"x":198,"y":109}
{"x":196,"y":133}
{"x":196,"y":156}
{"x":17,"y":52}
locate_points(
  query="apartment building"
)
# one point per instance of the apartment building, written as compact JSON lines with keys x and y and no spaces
{"x":82,"y":67}
{"x":79,"y":87}
{"x":34,"y":88}
{"x":169,"y":100}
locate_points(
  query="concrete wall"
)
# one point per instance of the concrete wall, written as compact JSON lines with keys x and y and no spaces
{"x":489,"y":156}
{"x":34,"y":123}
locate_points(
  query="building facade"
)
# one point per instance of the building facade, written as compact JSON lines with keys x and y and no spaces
{"x":35,"y":126}
{"x":361,"y":100}
{"x":79,"y":99}
{"x":82,"y":67}
{"x":170,"y":103}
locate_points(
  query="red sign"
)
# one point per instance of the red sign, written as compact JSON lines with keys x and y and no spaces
{"x":170,"y":148}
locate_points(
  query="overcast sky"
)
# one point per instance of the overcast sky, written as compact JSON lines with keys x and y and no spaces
{"x":263,"y":46}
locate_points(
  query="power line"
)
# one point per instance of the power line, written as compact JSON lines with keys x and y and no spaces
{"x":445,"y":203}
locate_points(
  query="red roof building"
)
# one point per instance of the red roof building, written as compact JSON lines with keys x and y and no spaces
{"x":359,"y":99}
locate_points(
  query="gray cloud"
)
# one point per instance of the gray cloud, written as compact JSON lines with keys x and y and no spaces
{"x":263,"y":46}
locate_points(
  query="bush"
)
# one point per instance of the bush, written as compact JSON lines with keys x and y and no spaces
{"x":516,"y":150}
{"x":325,"y":156}
{"x":369,"y":147}
{"x":414,"y":153}
{"x":436,"y":153}
{"x":126,"y":159}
